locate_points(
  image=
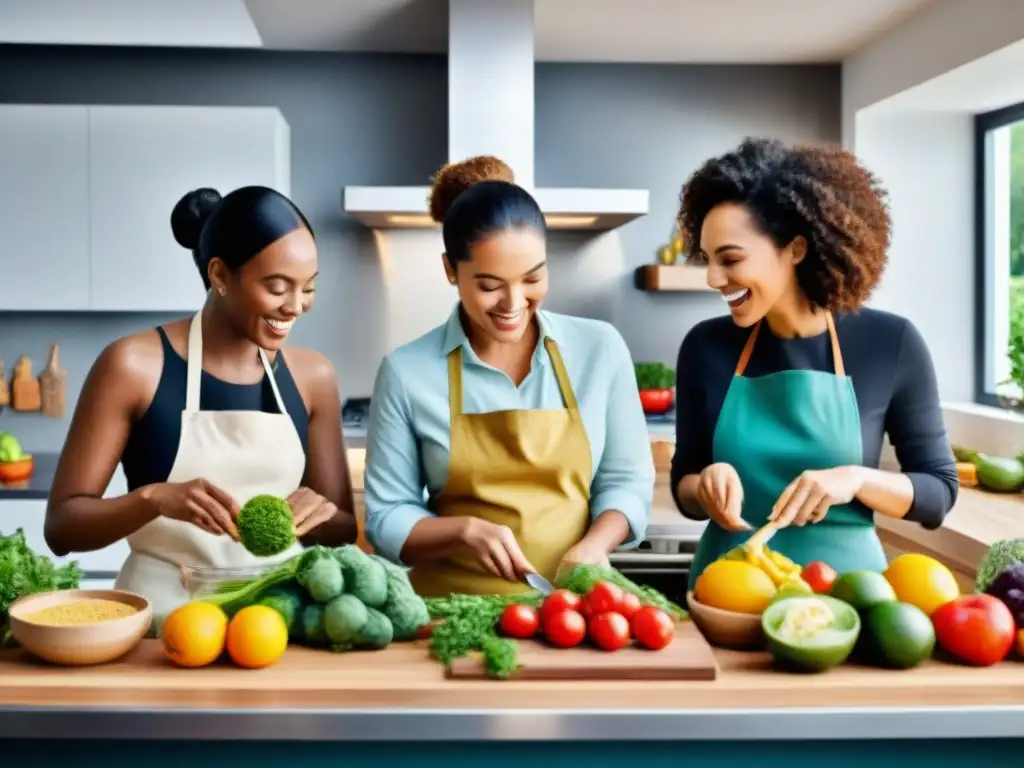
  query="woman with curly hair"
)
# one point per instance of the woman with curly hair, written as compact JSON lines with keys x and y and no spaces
{"x":508,"y":440}
{"x":782,"y":404}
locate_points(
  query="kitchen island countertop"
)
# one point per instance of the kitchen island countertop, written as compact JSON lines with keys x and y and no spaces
{"x":401,"y":694}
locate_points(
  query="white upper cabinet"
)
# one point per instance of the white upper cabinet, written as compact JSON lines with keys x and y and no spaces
{"x":44,"y":208}
{"x":141,"y":161}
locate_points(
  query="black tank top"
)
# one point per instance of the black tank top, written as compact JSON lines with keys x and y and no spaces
{"x":153,"y":441}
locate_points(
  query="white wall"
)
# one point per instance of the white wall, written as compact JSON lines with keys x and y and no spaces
{"x":908,"y":105}
{"x":925,"y":161}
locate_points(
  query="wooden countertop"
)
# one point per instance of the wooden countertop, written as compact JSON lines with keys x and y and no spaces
{"x":977,"y":520}
{"x":403,"y":676}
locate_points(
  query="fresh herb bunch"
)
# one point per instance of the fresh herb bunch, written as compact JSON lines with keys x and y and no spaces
{"x":654,"y":376}
{"x":23,"y":572}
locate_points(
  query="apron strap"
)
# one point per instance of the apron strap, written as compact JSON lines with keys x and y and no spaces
{"x":561,"y":375}
{"x":837,"y":355}
{"x":194,"y":363}
{"x":194,"y":368}
{"x":273,"y":381}
{"x":455,"y":381}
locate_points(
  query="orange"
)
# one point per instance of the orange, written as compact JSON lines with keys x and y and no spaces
{"x":193,"y":634}
{"x":921,"y":581}
{"x":734,"y":585}
{"x":257,"y":637}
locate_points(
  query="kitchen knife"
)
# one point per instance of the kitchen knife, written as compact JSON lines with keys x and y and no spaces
{"x":539,"y":583}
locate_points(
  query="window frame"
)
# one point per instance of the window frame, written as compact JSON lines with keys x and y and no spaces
{"x":985,"y":124}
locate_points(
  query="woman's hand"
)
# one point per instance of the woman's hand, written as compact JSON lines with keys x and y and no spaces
{"x":720,"y":492}
{"x":197,"y":501}
{"x":808,"y":498}
{"x":310,"y":510}
{"x":496,"y":548}
{"x":583,"y":553}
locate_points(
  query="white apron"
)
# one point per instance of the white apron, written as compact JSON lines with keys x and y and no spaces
{"x":245,"y":453}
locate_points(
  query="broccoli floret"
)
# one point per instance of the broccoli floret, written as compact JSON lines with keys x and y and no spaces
{"x":265,"y":525}
{"x":406,"y":610}
{"x":321,"y":574}
{"x":344,"y":618}
{"x":376,"y":632}
{"x":313,"y":632}
{"x":365,"y":577}
{"x":1000,"y":556}
{"x":288,"y":601}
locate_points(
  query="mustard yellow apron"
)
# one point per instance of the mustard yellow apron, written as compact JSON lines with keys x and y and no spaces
{"x":527,"y":469}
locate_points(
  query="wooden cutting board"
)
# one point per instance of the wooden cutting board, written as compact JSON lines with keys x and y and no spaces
{"x":25,"y":394}
{"x":53,"y":386}
{"x":5,"y":393}
{"x":687,"y":657}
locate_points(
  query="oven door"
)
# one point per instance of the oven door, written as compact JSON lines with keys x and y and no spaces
{"x":661,"y":563}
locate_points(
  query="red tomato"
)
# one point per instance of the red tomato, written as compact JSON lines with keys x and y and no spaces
{"x":558,"y":601}
{"x":564,"y":628}
{"x":820,"y":576}
{"x":609,"y":630}
{"x":652,"y":628}
{"x":629,"y":604}
{"x":602,"y":597}
{"x":519,"y":621}
{"x":977,"y":629}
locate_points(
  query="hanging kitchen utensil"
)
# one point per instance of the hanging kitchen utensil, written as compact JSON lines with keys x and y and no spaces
{"x":5,"y":393}
{"x":25,"y":394}
{"x":53,"y":385}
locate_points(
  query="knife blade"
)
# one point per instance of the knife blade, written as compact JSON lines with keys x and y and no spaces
{"x":539,"y":583}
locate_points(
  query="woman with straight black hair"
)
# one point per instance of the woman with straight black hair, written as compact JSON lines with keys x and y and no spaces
{"x":509,"y":440}
{"x":205,"y":413}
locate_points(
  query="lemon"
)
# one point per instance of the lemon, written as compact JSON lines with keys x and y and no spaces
{"x":734,"y":585}
{"x":921,"y":581}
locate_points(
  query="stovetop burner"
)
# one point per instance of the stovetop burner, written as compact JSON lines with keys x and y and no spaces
{"x":355,"y":412}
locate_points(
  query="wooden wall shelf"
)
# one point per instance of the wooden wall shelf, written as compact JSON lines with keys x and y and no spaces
{"x":663,"y":278}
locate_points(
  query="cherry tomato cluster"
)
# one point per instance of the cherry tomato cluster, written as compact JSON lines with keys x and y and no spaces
{"x":608,"y":615}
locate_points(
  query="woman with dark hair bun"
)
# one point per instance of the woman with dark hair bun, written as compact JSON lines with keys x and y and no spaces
{"x":509,"y":440}
{"x":782,"y":405}
{"x":205,"y":413}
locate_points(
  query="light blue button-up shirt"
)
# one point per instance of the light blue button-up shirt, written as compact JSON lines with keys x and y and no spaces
{"x":408,"y":431}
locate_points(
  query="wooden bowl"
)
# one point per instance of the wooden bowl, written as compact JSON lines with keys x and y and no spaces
{"x":81,"y":644}
{"x":727,"y":629}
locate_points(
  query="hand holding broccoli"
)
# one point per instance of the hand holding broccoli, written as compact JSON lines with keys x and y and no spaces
{"x":199,"y":502}
{"x":310,"y":510}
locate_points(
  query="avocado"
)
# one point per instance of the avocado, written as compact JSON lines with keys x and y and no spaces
{"x":810,"y":634}
{"x":963,"y":454}
{"x":996,"y":473}
{"x":863,"y":589}
{"x":896,"y":635}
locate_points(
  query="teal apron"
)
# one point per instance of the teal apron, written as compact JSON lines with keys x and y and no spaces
{"x":771,"y":429}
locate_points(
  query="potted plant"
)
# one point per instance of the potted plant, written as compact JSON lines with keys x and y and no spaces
{"x":655,"y":382}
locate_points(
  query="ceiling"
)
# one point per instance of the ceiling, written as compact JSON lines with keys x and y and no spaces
{"x":677,"y":31}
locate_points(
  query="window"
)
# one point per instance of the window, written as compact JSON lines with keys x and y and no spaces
{"x":999,"y":154}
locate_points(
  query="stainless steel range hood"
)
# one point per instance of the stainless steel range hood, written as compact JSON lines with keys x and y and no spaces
{"x":491,"y":111}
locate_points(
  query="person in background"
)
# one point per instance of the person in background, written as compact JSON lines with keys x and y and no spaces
{"x":206,"y":412}
{"x":783,"y":403}
{"x":509,"y":439}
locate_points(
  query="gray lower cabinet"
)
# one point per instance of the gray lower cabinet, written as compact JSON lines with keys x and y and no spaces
{"x":86,"y":194}
{"x":44,"y":207}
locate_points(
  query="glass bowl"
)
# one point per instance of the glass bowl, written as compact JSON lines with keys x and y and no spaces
{"x":201,"y":581}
